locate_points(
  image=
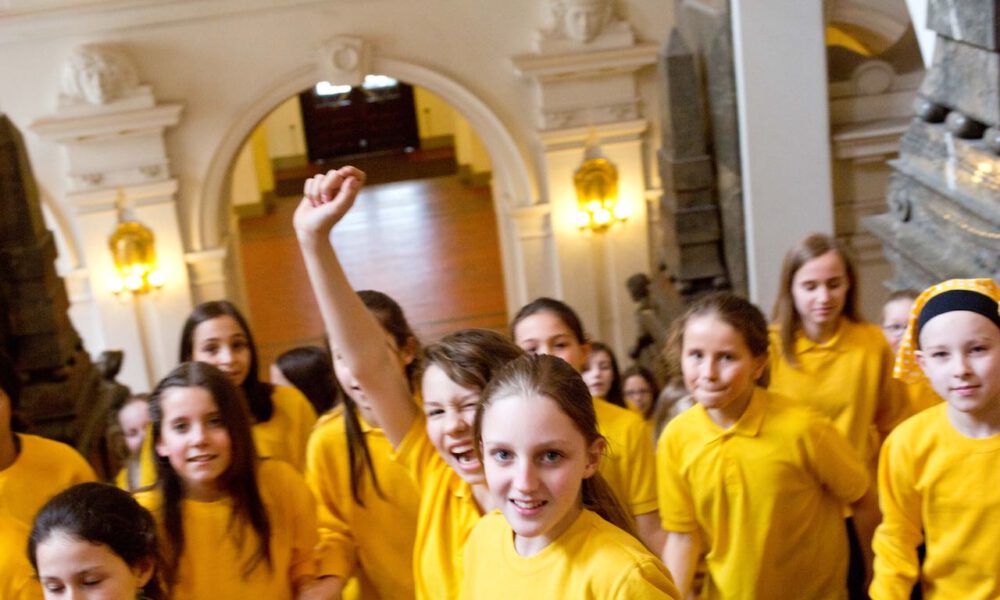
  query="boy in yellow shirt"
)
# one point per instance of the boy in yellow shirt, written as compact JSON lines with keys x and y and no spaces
{"x":938,"y":479}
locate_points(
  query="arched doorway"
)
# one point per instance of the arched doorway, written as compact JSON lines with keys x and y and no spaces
{"x":419,"y":232}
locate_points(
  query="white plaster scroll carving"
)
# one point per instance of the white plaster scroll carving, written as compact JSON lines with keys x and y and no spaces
{"x":98,"y":74}
{"x":345,"y":60}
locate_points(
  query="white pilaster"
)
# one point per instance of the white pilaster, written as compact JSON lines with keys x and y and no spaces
{"x":779,"y":56}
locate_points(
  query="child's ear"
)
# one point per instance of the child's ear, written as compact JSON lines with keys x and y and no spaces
{"x":408,"y":353}
{"x":760,"y":363}
{"x":161,"y":449}
{"x":143,"y":571}
{"x":594,"y":454}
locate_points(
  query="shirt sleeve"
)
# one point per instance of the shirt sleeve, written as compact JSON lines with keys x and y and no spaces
{"x":641,"y":474}
{"x":675,"y":499}
{"x":337,"y":554}
{"x":302,"y":513}
{"x":647,"y":579}
{"x":897,"y":537}
{"x":835,"y":464}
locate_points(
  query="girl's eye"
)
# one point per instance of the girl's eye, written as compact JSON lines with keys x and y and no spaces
{"x":434,"y":412}
{"x":469,"y":406}
{"x":502,"y":455}
{"x":940,"y":354}
{"x":551,"y":456}
{"x":53,"y":586}
{"x":215,"y":422}
{"x":92,"y":581}
{"x":978,"y":349}
{"x":179,"y":427}
{"x":694,"y":353}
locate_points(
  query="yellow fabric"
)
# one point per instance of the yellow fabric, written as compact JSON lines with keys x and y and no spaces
{"x":17,"y":580}
{"x":447,"y":513}
{"x":374,"y":541}
{"x":629,"y":463}
{"x":284,"y":437}
{"x":766,"y":495}
{"x":848,"y":379}
{"x":922,"y":396}
{"x":906,"y":367}
{"x":43,"y":468}
{"x":211,"y":565}
{"x":592,"y":560}
{"x":933,"y":479}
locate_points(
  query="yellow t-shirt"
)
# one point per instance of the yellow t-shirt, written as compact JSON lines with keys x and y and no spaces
{"x":934,"y":480}
{"x":922,"y":396}
{"x":629,"y":461}
{"x":592,"y":560}
{"x":848,"y":379}
{"x":283,"y":437}
{"x":17,"y":581}
{"x":212,"y":562}
{"x":766,"y":495}
{"x":374,"y":541}
{"x":43,"y":468}
{"x":447,"y":513}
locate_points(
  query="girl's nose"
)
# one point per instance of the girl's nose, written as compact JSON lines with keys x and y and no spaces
{"x":525,"y":480}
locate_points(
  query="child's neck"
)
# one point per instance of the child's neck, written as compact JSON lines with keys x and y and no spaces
{"x":820,"y":333}
{"x":727,"y":416}
{"x":8,"y":449}
{"x":981,"y":425}
{"x":203,"y":492}
{"x":484,"y":500}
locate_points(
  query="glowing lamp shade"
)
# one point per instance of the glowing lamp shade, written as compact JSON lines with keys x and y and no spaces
{"x":596,"y":183}
{"x":134,"y":252}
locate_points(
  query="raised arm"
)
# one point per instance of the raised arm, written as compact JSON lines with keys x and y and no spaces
{"x":353,"y":332}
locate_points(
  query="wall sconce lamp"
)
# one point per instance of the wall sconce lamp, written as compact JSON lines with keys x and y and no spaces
{"x":134,"y":252}
{"x":596,"y":183}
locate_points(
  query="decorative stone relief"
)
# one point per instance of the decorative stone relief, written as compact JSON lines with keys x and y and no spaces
{"x":345,"y":60}
{"x":98,"y":74}
{"x":572,"y":23}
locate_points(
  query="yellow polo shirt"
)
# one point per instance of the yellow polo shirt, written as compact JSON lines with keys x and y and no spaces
{"x":447,"y":514}
{"x":373,"y":542}
{"x":848,"y":379}
{"x":629,"y":463}
{"x":766,"y":495}
{"x":17,"y":581}
{"x":941,"y":488}
{"x":215,"y":551}
{"x":42,"y":469}
{"x":592,"y":560}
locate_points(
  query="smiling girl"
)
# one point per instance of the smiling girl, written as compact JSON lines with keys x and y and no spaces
{"x":435,"y":444}
{"x":602,"y":375}
{"x":755,"y":483}
{"x":560,"y":532}
{"x":550,"y":326}
{"x":233,"y":526}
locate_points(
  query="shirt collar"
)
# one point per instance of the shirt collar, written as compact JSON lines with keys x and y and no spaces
{"x":748,"y":425}
{"x":804,"y":344}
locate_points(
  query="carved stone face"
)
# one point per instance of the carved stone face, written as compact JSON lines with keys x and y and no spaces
{"x":583,"y":20}
{"x":97,"y":84}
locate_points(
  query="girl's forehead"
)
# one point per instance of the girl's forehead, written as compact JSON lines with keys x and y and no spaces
{"x":957,"y":325}
{"x":218,"y":326}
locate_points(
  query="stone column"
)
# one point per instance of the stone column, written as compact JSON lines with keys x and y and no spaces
{"x":781,"y":82}
{"x":584,"y":69}
{"x":112,"y":131}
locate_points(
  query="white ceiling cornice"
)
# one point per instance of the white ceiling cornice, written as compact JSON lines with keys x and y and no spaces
{"x":26,"y":20}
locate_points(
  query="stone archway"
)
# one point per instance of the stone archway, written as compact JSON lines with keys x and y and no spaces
{"x":512,"y":186}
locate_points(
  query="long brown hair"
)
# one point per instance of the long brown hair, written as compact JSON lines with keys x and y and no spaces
{"x":784,"y":314}
{"x":390,"y":316}
{"x":239,"y":480}
{"x":553,"y":378}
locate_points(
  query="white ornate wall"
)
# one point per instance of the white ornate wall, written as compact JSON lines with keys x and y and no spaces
{"x":229,"y":62}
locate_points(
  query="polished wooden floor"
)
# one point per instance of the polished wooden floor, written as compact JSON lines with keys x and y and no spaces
{"x":431,"y":244}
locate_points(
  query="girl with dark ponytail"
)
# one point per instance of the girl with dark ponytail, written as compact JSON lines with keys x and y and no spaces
{"x":358,"y":486}
{"x":562,"y":531}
